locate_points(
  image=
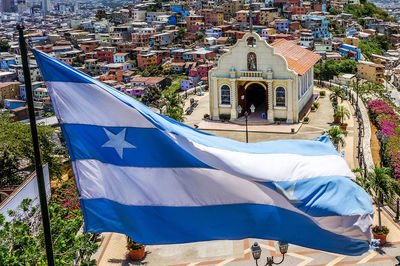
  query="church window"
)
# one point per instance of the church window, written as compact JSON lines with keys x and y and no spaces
{"x":225,"y":95}
{"x":251,"y":62}
{"x":280,"y":97}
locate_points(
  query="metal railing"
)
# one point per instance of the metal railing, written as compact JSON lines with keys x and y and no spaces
{"x":394,"y":205}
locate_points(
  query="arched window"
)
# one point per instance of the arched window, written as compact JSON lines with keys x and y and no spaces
{"x":280,"y":97}
{"x":251,"y":61}
{"x":225,"y":95}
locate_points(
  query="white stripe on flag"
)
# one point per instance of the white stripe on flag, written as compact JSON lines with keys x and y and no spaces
{"x":267,"y":167}
{"x":85,"y":103}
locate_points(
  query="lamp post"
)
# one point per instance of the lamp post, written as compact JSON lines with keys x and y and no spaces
{"x":358,"y":79}
{"x":256,"y":252}
{"x":383,"y":139}
{"x":246,"y":115}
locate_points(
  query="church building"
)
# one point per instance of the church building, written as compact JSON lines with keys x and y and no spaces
{"x":276,"y":79}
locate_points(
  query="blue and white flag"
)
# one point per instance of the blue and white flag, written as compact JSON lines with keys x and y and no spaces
{"x":161,"y":182}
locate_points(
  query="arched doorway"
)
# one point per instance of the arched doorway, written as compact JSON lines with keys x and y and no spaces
{"x":255,"y":94}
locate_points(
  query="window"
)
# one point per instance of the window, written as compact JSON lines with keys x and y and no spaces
{"x":225,"y":95}
{"x":280,"y":97}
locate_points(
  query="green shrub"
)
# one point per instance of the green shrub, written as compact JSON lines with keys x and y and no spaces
{"x":322,"y":94}
{"x":206,"y":116}
{"x":306,"y":119}
{"x":316,"y":105}
{"x":224,"y":117}
{"x":313,"y":108}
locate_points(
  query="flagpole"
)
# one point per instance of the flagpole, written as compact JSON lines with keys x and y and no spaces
{"x":38,"y":162}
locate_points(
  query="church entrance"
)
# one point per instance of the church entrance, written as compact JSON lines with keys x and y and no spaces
{"x":255,"y":94}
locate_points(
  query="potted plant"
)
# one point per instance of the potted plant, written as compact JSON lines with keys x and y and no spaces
{"x":343,"y":126}
{"x":313,"y":109}
{"x":337,"y":136}
{"x":380,"y":233}
{"x":340,"y":113}
{"x":136,"y":250}
{"x":306,"y":120}
{"x":322,"y":94}
{"x":384,"y":187}
{"x":337,"y":93}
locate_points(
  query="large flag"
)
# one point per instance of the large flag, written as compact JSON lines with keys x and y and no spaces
{"x":161,"y":182}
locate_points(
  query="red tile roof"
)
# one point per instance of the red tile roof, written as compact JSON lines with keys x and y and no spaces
{"x":299,"y":59}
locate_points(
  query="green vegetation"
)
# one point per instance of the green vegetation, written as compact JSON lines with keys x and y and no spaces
{"x":367,"y":9}
{"x":330,"y":68}
{"x":381,"y":184}
{"x":375,"y":45}
{"x":337,"y":136}
{"x":16,"y":150}
{"x":4,"y":45}
{"x":78,"y":61}
{"x":173,"y":103}
{"x":21,"y":245}
{"x":100,"y":14}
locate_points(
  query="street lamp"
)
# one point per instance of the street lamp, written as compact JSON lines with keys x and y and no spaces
{"x":358,"y":79}
{"x":256,"y":252}
{"x":383,"y":139}
{"x":246,"y":115}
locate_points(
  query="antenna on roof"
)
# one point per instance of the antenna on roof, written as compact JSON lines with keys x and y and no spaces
{"x":251,"y":16}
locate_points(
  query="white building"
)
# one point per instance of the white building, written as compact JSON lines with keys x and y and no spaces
{"x":277,"y":80}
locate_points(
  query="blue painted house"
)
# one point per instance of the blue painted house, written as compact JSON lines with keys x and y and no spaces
{"x":6,"y":62}
{"x":350,"y":51}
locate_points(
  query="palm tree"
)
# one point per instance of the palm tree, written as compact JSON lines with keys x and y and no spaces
{"x":341,"y":112}
{"x":337,"y":136}
{"x":337,"y":92}
{"x":383,"y":186}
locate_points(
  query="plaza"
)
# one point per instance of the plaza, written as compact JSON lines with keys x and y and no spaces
{"x":237,"y":252}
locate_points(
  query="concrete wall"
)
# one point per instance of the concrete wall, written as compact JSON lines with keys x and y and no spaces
{"x":28,"y":189}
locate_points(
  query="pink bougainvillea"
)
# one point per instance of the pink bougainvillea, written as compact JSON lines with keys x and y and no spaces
{"x":386,"y":119}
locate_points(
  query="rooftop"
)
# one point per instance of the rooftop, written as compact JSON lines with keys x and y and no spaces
{"x":299,"y":59}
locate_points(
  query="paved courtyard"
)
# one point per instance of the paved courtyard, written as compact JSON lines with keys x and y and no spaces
{"x":113,"y":250}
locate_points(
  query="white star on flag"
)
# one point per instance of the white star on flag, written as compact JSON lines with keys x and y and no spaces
{"x":118,"y":142}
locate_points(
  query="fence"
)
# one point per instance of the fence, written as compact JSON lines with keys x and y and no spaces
{"x":364,"y":156}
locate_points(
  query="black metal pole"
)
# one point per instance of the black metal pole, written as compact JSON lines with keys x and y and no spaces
{"x":357,"y":97}
{"x":38,"y":162}
{"x":247,"y":133}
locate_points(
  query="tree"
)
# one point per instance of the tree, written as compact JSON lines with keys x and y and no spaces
{"x":200,"y":36}
{"x":342,"y":112}
{"x":383,"y":186}
{"x":77,"y":61}
{"x":4,"y":45}
{"x":173,"y":104}
{"x":80,"y":27}
{"x":151,"y":95}
{"x":9,"y":169}
{"x":21,"y":245}
{"x":181,"y":33}
{"x":336,"y":93}
{"x":348,"y":66}
{"x":337,"y":136}
{"x":16,"y":144}
{"x":100,"y":14}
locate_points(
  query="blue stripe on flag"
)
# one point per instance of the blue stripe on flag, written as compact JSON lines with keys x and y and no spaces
{"x":154,"y":225}
{"x":325,"y":196}
{"x":55,"y":70}
{"x":87,"y":141}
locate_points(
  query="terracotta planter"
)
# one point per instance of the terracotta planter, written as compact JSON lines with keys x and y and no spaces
{"x":336,"y":119}
{"x":137,"y":254}
{"x":382,"y":238}
{"x":343,"y":127}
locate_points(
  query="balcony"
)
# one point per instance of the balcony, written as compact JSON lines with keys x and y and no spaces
{"x":251,"y":75}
